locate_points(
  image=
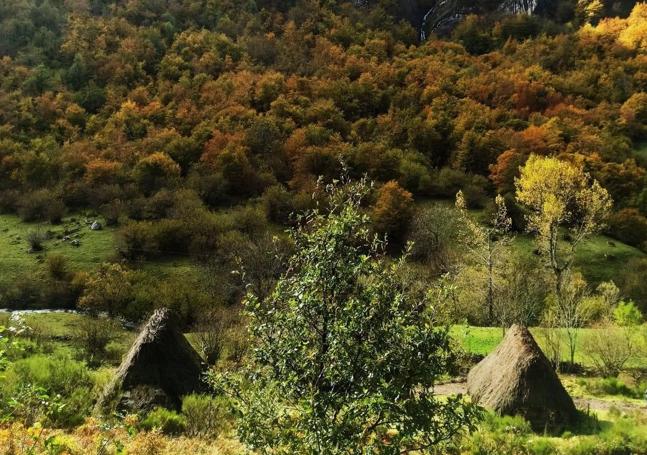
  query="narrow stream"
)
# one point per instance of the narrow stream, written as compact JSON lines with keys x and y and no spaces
{"x":43,"y":311}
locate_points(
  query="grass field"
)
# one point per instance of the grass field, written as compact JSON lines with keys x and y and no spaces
{"x":59,"y":328}
{"x":599,"y":258}
{"x":483,"y":340}
{"x":94,"y":246}
{"x":474,"y":340}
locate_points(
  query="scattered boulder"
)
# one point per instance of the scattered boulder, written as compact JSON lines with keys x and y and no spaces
{"x":96,"y":226}
{"x":76,"y":243}
{"x":518,"y":379}
{"x":160,"y":368}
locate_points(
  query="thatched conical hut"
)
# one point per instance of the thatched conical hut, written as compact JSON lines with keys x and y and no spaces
{"x":518,"y":379}
{"x":160,"y":368}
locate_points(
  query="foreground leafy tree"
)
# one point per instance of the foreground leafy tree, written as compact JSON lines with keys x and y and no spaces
{"x":343,"y":360}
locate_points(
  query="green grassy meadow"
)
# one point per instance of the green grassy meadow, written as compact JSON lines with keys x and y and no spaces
{"x":95,"y":246}
{"x":599,"y":258}
{"x":481,"y":341}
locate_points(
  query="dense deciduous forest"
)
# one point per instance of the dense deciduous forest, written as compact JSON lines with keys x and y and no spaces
{"x":221,"y":158}
{"x":154,"y":114}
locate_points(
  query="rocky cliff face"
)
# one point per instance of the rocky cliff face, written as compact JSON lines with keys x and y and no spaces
{"x":434,"y":15}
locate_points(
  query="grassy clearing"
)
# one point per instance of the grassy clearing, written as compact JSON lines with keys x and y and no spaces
{"x":483,"y":340}
{"x":94,"y":246}
{"x":618,"y":391}
{"x":58,"y":329}
{"x":600,"y":258}
{"x":609,"y":432}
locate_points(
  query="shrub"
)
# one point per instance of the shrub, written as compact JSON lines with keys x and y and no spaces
{"x":415,"y":177}
{"x":36,"y":206}
{"x":93,"y":336}
{"x":113,"y":289}
{"x":56,"y":389}
{"x":137,"y":240}
{"x":35,"y":239}
{"x":608,"y":386}
{"x":633,"y":283}
{"x":629,"y":226}
{"x":155,"y":171}
{"x":277,"y":202}
{"x":433,"y":233}
{"x":57,"y":266}
{"x":112,"y":211}
{"x":210,"y":332}
{"x":498,"y":435}
{"x":167,"y":421}
{"x":447,"y":182}
{"x":205,"y":416}
{"x":627,"y":314}
{"x":610,"y":348}
{"x":393,"y":210}
{"x":55,"y":211}
{"x":475,"y":195}
{"x":150,"y":239}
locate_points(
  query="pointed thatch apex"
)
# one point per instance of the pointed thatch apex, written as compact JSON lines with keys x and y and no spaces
{"x":159,"y":369}
{"x":518,"y":379}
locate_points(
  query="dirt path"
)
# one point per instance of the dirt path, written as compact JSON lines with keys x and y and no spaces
{"x":594,"y":404}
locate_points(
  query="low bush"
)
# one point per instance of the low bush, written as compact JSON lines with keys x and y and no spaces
{"x":92,"y":336}
{"x":627,"y":314}
{"x":54,"y":389}
{"x":205,"y":416}
{"x":608,"y":386}
{"x":167,"y":421}
{"x":497,"y":435}
{"x":41,"y":205}
{"x":629,"y":226}
{"x":151,"y":239}
{"x":627,"y":435}
{"x":434,"y":236}
{"x":36,"y":240}
{"x":610,"y":348}
{"x":57,"y":267}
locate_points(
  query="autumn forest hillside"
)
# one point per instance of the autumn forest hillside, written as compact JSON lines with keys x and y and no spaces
{"x":195,"y":130}
{"x":324,"y":227}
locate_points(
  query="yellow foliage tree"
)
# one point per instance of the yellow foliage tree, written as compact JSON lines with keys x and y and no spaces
{"x":634,"y":35}
{"x":560,"y":195}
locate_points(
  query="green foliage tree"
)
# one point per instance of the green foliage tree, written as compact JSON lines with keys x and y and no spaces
{"x":488,"y":244}
{"x":109,"y":289}
{"x":156,"y":171}
{"x":626,"y":313}
{"x":343,"y":360}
